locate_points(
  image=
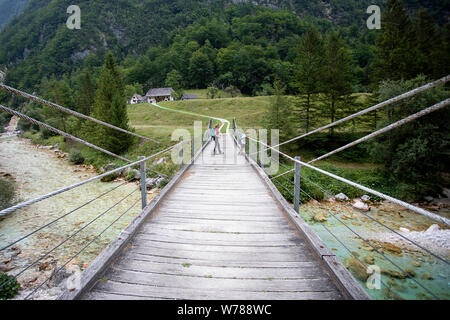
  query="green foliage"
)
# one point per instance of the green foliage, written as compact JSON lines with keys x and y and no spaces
{"x":110,"y":107}
{"x":86,"y":95}
{"x":76,"y":157}
{"x":337,"y":78}
{"x":309,"y":70}
{"x":7,"y":193}
{"x":174,"y":80}
{"x":9,"y":290}
{"x":410,"y":45}
{"x":416,"y":151}
{"x":279,"y":114}
{"x":4,"y":120}
{"x":213,"y":92}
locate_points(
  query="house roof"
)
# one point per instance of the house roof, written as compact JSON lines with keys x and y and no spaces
{"x":138,"y":96}
{"x":159,"y":92}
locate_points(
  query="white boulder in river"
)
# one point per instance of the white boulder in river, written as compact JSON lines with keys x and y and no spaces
{"x":358,"y":204}
{"x":341,"y":197}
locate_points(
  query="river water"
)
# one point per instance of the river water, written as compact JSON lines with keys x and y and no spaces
{"x":36,"y":172}
{"x":382,"y":248}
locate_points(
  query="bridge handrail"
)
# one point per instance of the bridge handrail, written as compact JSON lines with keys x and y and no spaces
{"x":79,"y":184}
{"x":373,"y":108}
{"x":354,"y":232}
{"x":361,"y":187}
{"x":69,"y":111}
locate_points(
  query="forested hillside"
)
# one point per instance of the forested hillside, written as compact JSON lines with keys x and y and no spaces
{"x":38,"y":44}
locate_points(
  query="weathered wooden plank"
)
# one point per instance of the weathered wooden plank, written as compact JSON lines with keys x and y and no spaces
{"x":288,"y":249}
{"x":216,"y":228}
{"x":239,"y":264}
{"x":151,"y":292}
{"x":237,"y":242}
{"x":180,"y":216}
{"x":221,"y":256}
{"x":207,"y":282}
{"x":216,"y":236}
{"x":233,"y":225}
{"x":192,"y":270}
{"x":254,"y":212}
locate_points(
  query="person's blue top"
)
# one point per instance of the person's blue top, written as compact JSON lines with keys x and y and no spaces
{"x":213,"y":132}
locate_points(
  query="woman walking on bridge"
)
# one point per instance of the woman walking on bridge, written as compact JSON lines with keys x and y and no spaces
{"x":216,"y":132}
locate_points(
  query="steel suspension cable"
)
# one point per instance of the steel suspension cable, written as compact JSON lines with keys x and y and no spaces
{"x":82,"y":249}
{"x":59,"y":132}
{"x":392,"y":126}
{"x":79,"y":184}
{"x":69,"y":111}
{"x":373,"y":108}
{"x":67,"y":239}
{"x":374,"y":192}
{"x":63,"y":216}
{"x":415,"y":116}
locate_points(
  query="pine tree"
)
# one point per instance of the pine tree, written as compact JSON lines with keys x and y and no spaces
{"x":337,"y":77}
{"x":279,"y":115}
{"x":110,"y":107}
{"x":396,"y":53}
{"x":308,"y":74}
{"x":86,"y":95}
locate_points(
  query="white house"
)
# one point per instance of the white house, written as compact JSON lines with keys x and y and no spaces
{"x":159,"y":94}
{"x":136,"y":99}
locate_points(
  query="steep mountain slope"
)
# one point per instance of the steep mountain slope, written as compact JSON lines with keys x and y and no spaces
{"x":10,"y":9}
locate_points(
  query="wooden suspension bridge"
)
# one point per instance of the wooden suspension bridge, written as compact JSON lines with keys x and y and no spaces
{"x":220,"y":230}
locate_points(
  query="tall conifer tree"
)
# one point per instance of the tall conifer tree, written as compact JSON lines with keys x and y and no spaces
{"x":110,"y":106}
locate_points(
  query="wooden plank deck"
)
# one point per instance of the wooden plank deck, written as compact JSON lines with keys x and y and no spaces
{"x":219,"y":234}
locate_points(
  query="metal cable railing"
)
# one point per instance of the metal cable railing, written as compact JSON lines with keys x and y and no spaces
{"x":68,"y":238}
{"x":61,"y":217}
{"x":61,"y":133}
{"x":403,"y":96}
{"x":69,"y":111}
{"x":362,"y":238}
{"x":82,"y":249}
{"x":142,"y":187}
{"x":52,"y":194}
{"x":359,"y":186}
{"x":367,"y":242}
{"x":363,"y":213}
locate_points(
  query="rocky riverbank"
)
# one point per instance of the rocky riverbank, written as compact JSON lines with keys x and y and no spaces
{"x":40,"y":170}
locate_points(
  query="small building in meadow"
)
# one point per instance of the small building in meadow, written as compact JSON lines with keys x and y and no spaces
{"x":136,"y":99}
{"x":159,"y":94}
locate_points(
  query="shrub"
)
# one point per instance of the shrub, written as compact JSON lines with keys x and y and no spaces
{"x":9,"y":290}
{"x":76,"y":157}
{"x":6,"y":193}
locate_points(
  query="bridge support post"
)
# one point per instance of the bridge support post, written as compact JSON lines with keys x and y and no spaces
{"x":193,"y":149}
{"x":297,"y":185}
{"x":181,"y":154}
{"x":143,"y":183}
